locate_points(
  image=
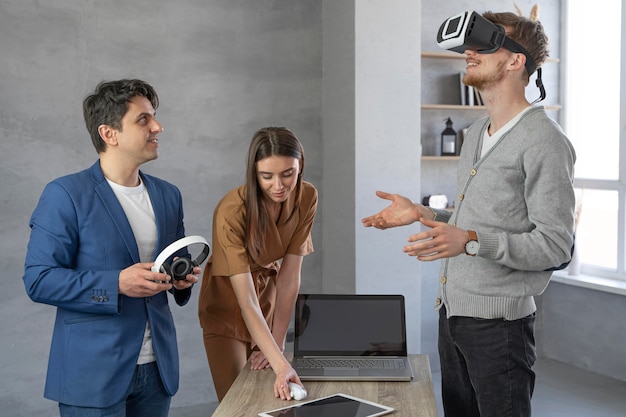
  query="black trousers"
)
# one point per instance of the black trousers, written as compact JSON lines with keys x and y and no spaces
{"x":486,"y":366}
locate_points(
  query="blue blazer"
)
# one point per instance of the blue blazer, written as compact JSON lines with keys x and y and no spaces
{"x":80,"y":241}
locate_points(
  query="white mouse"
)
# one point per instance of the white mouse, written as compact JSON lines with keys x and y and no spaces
{"x":297,"y":391}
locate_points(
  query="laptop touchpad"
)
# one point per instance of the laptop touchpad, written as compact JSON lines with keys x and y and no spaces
{"x":341,"y":371}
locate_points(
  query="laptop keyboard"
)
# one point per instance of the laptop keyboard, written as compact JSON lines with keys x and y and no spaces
{"x":365,"y":363}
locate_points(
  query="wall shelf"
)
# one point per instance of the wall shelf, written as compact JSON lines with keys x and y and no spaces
{"x":451,"y":107}
{"x":442,"y":55}
{"x":450,"y":55}
{"x":461,"y":107}
{"x":439,"y":158}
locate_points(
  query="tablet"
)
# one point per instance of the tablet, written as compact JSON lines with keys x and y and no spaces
{"x":336,"y":405}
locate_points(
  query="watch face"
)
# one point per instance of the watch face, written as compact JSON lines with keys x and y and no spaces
{"x":471,"y":247}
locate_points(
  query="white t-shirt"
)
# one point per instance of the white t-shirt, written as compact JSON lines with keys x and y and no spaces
{"x":138,"y":208}
{"x":489,"y":141}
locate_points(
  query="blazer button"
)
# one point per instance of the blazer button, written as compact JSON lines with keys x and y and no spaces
{"x":438,"y":301}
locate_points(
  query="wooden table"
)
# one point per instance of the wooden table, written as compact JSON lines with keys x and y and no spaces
{"x":252,"y":392}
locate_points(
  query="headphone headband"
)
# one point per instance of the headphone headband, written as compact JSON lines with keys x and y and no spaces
{"x":178,"y":245}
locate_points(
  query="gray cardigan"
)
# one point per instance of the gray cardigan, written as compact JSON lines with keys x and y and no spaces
{"x":520,"y":200}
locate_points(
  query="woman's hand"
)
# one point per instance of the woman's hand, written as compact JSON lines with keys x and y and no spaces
{"x":281,"y":384}
{"x":258,"y":361}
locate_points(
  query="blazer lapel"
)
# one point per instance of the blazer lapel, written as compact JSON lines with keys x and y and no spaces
{"x":115,"y":210}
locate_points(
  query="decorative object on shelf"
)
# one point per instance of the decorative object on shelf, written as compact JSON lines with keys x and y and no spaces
{"x":449,"y":141}
{"x":463,"y":136}
{"x":437,"y":201}
{"x":574,"y":265}
{"x":534,"y":12}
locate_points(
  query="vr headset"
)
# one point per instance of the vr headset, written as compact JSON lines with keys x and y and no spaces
{"x":470,"y":30}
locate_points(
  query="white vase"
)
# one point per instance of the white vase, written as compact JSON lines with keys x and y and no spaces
{"x":574,"y":266}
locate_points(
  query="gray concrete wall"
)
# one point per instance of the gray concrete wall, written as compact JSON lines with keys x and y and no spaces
{"x":338,"y":127}
{"x":583,"y":327}
{"x":371,"y":88}
{"x":386,"y":148}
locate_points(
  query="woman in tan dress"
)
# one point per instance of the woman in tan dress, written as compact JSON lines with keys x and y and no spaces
{"x":261,"y":232}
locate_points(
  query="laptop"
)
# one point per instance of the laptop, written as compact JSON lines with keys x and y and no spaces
{"x":350,"y":338}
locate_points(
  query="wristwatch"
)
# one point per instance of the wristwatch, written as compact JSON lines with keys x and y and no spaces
{"x":472,"y":245}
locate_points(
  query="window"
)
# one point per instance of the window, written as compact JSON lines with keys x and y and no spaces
{"x":593,"y":117}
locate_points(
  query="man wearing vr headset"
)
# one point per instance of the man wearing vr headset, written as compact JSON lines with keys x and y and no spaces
{"x":94,"y":236}
{"x":511,"y":226}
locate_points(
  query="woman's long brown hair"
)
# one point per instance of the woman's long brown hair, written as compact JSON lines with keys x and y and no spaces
{"x":266,"y":142}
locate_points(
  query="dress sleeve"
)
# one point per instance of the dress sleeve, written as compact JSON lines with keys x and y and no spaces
{"x":301,"y":242}
{"x":229,"y":251}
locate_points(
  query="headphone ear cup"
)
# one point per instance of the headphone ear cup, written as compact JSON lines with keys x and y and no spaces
{"x":180,"y":268}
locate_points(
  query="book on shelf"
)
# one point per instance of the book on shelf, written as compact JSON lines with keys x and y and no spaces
{"x":462,"y":89}
{"x":478,"y":99}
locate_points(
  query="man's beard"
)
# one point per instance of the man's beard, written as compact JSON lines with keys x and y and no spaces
{"x":482,"y":81}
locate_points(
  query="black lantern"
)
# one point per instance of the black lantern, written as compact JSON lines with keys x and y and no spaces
{"x":449,"y":141}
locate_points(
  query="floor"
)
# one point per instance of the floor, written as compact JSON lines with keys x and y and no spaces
{"x":566,"y":391}
{"x":561,"y":391}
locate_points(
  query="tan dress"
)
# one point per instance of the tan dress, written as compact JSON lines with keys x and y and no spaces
{"x":218,"y":309}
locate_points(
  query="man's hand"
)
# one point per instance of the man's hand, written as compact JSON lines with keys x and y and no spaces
{"x":401,"y":212}
{"x":442,"y":240}
{"x":139,"y":281}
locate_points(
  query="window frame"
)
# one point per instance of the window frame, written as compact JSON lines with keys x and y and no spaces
{"x":618,"y":185}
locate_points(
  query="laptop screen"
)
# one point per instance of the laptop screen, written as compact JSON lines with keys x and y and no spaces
{"x":349,"y":325}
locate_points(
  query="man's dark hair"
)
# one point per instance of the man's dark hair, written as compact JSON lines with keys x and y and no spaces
{"x":108,"y":104}
{"x":528,"y":33}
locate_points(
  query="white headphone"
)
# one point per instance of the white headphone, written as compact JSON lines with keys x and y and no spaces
{"x":182,"y":266}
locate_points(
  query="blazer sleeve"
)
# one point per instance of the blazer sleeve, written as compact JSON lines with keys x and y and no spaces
{"x":51,"y":275}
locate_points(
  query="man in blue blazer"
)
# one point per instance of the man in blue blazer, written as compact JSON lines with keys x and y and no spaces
{"x":94,"y":236}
